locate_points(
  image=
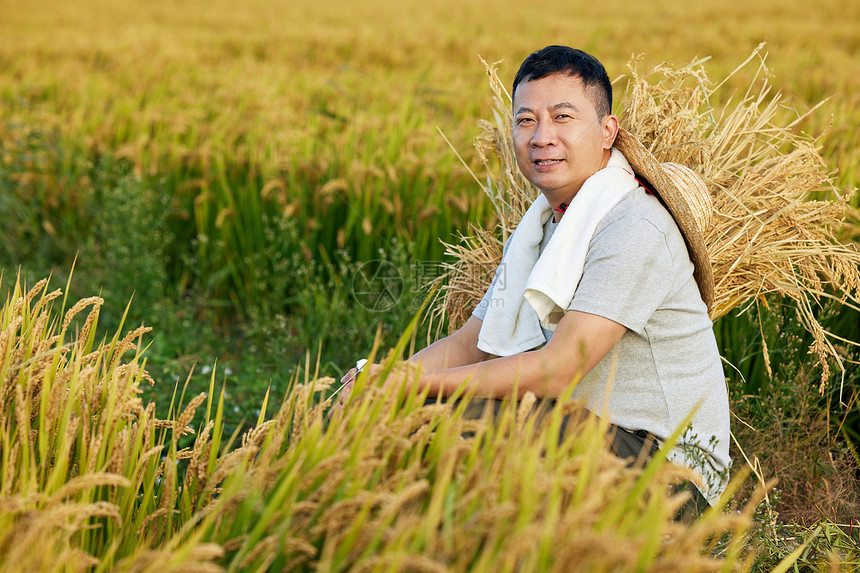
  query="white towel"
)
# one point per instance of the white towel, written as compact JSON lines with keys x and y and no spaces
{"x":538,"y":287}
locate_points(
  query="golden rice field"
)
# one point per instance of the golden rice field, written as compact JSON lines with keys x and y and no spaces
{"x":325,"y":117}
{"x":329,"y":114}
{"x":364,"y":85}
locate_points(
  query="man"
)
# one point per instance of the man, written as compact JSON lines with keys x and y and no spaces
{"x":598,"y":284}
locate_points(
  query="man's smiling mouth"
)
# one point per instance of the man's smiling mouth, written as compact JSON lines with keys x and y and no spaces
{"x":545,"y":162}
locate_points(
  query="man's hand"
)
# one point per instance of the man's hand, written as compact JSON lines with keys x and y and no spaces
{"x":401,"y":373}
{"x":347,"y":381}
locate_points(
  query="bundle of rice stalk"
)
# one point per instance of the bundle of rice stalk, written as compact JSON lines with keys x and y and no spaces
{"x":768,"y":235}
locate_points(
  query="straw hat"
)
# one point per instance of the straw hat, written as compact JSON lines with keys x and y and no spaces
{"x":687,"y":198}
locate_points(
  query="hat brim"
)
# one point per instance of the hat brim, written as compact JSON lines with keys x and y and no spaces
{"x":646,"y":166}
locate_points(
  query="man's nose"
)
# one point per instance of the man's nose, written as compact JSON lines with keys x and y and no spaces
{"x":544,"y":134}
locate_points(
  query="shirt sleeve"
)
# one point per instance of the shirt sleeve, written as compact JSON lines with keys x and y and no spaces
{"x":628,"y":273}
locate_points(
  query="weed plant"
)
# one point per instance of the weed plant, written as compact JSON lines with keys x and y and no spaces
{"x":302,"y":299}
{"x":789,"y":431}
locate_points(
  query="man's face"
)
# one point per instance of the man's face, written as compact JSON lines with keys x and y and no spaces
{"x":558,"y":137}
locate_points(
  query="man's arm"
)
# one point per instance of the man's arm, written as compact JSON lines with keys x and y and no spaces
{"x":580,"y":341}
{"x":458,"y":349}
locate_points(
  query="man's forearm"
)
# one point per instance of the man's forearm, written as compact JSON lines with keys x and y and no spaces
{"x":580,"y":341}
{"x":446,"y":353}
{"x":458,"y":349}
{"x":510,"y":376}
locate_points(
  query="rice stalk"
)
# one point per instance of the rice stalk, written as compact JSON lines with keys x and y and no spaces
{"x":79,"y":457}
{"x":486,"y":517}
{"x":390,"y":483}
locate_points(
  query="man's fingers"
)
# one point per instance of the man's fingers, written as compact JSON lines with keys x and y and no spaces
{"x":347,"y":389}
{"x":348,"y":381}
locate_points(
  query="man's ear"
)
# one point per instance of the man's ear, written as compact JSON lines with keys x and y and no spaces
{"x":610,"y":130}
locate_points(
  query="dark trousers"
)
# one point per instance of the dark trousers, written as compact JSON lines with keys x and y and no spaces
{"x":634,"y":446}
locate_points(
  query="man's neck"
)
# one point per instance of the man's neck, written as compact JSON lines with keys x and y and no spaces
{"x":559,"y":204}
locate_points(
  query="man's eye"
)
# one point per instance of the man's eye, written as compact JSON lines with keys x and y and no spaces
{"x":524,"y":120}
{"x":563,"y":116}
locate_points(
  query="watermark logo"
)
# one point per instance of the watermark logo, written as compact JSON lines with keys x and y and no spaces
{"x":377,"y":285}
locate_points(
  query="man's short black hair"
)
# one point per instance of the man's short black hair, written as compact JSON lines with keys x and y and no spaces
{"x":564,"y":60}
